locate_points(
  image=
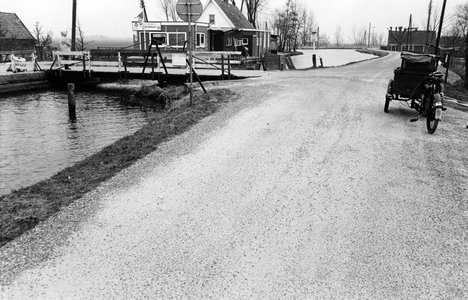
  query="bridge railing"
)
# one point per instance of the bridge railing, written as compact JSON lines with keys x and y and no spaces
{"x":63,"y":59}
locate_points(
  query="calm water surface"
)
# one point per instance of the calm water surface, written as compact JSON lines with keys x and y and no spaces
{"x":330,"y":57}
{"x":37,"y":139}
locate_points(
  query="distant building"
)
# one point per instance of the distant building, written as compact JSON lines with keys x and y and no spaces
{"x":419,"y":41}
{"x":422,"y":41}
{"x":14,"y":36}
{"x":220,"y":27}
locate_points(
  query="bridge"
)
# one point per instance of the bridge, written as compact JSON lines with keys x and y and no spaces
{"x":168,"y":67}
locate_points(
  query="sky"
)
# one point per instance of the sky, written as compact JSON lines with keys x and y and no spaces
{"x":113,"y":18}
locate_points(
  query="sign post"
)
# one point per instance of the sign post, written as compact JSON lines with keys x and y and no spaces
{"x":189,"y":10}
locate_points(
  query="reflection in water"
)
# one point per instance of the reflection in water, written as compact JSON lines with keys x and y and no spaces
{"x":37,"y":138}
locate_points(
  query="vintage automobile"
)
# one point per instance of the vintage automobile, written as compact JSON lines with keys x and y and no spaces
{"x":418,"y":83}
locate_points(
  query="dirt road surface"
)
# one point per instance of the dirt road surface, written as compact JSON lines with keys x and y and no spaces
{"x":302,"y":188}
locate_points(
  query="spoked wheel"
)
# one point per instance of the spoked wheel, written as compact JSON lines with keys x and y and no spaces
{"x":389,"y":95}
{"x":431,"y":121}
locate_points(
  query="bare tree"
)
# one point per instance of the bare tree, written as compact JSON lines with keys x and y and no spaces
{"x":359,"y":36}
{"x":43,"y":40}
{"x":461,"y":24}
{"x":80,"y":37}
{"x":252,"y":8}
{"x":400,"y":35}
{"x":381,"y":39}
{"x":324,"y":40}
{"x":432,"y":25}
{"x":339,"y":39}
{"x":169,"y":8}
{"x":307,"y":24}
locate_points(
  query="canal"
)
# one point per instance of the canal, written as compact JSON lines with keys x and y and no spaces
{"x":37,"y":138}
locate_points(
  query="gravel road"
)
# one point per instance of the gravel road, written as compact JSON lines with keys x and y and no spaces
{"x":302,"y":188}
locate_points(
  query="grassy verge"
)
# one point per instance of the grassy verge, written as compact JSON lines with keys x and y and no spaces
{"x":23,"y":209}
{"x":373,"y":52}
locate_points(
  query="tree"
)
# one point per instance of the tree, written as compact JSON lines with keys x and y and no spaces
{"x":359,"y":36}
{"x":307,"y":24}
{"x":252,"y":8}
{"x":43,"y":40}
{"x":80,"y":38}
{"x":324,"y":40}
{"x":169,"y":8}
{"x":399,"y":35}
{"x":432,"y":26}
{"x":339,"y":39}
{"x":287,"y":25}
{"x":461,"y":24}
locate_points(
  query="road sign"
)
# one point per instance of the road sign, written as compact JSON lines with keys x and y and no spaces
{"x":186,"y":8}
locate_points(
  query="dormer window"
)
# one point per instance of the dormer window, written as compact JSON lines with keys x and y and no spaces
{"x":212,"y":19}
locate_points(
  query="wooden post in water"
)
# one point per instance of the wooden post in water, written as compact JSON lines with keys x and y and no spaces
{"x":321,"y":62}
{"x":71,"y":102}
{"x":314,"y":60}
{"x":229,"y":66}
{"x":222,"y":67}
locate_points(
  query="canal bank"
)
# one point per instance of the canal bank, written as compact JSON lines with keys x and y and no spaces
{"x":24,"y":208}
{"x":14,"y":82}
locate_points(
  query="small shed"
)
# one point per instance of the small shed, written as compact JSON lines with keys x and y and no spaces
{"x":14,"y":36}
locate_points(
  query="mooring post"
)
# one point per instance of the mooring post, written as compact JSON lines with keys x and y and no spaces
{"x":229,"y":66}
{"x":321,"y":62}
{"x":152,"y":66}
{"x":71,"y":102}
{"x":222,"y":67}
{"x":314,"y":60}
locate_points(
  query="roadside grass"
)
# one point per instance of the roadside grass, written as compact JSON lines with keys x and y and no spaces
{"x":455,"y":87}
{"x":21,"y":210}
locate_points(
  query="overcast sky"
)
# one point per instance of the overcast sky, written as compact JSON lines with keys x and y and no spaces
{"x":113,"y":17}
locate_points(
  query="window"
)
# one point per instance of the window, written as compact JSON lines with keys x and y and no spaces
{"x":176,"y":39}
{"x":228,"y":42}
{"x":201,"y":40}
{"x":160,"y":38}
{"x":245,"y":41}
{"x":212,"y":19}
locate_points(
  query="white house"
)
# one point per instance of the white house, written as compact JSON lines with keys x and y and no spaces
{"x":220,"y":27}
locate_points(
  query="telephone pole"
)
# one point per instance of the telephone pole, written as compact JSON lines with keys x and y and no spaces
{"x":73,"y":33}
{"x":440,"y":28}
{"x":428,"y":25}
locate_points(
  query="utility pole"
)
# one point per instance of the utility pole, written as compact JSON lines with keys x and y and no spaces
{"x":428,"y":25}
{"x":368,"y":42}
{"x":440,"y":28}
{"x":73,"y":33}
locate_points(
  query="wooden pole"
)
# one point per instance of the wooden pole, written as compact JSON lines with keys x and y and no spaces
{"x":447,"y":66}
{"x":229,"y":66}
{"x":152,"y":66}
{"x":71,"y":102}
{"x":73,"y":36}
{"x":440,"y":28}
{"x":314,"y":60}
{"x":189,"y":9}
{"x":222,"y":67}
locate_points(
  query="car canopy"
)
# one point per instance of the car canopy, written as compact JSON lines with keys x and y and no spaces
{"x":418,"y":62}
{"x":416,"y":58}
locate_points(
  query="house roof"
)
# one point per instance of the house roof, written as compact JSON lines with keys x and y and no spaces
{"x":11,"y":27}
{"x":234,"y":15}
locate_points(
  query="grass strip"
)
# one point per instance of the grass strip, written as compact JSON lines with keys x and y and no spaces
{"x":22,"y":209}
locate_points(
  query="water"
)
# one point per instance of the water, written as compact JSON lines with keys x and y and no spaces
{"x":37,"y":139}
{"x":330,"y":57}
